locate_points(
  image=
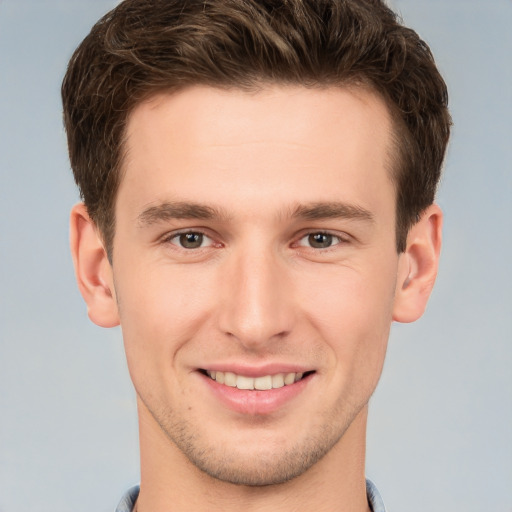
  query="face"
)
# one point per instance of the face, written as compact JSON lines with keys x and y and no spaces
{"x":255,"y":269}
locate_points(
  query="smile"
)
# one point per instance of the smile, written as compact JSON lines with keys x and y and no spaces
{"x":259,"y":383}
{"x":258,"y":391}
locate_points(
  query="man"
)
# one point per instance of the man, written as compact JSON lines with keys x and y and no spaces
{"x":258,"y":181}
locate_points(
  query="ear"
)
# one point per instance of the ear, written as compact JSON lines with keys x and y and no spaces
{"x":93,"y":271}
{"x":418,"y":266}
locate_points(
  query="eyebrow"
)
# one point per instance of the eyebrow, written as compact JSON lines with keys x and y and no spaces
{"x":167,"y":210}
{"x":178,"y":210}
{"x":332,"y":210}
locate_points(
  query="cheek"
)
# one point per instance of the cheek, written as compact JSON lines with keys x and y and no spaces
{"x":350,"y":298}
{"x":158,"y":300}
{"x":160,"y":311}
{"x":353,"y":314}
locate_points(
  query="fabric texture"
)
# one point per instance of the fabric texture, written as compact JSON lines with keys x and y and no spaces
{"x":128,"y":500}
{"x":374,"y":499}
{"x":376,"y":504}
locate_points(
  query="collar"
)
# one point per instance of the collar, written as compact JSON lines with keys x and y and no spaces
{"x":374,"y":499}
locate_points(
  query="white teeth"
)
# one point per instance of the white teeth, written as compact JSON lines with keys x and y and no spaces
{"x":230,"y":379}
{"x":244,"y":382}
{"x":261,"y":383}
{"x":278,"y":380}
{"x":289,"y":378}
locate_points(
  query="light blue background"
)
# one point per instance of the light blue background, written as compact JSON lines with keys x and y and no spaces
{"x":440,"y":422}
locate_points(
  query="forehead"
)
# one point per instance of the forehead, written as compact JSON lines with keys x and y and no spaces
{"x":269,"y":111}
{"x":208,"y":144}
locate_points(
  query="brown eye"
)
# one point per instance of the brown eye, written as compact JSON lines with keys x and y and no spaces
{"x":320,"y":240}
{"x":191,"y":240}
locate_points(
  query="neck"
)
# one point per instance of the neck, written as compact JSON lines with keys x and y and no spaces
{"x":168,"y":479}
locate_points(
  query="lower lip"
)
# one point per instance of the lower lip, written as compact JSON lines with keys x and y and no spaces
{"x":256,"y":402}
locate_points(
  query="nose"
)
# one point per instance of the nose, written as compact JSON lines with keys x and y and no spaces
{"x":256,"y":299}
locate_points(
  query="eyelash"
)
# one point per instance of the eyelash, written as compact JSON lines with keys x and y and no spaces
{"x":340,"y":240}
{"x":176,"y":236}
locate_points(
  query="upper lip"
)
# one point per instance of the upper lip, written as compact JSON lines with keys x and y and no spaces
{"x":257,"y":371}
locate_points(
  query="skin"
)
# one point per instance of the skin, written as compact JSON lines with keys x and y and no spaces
{"x":261,"y":177}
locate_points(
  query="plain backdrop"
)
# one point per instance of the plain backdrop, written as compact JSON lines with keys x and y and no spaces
{"x":440,"y":422}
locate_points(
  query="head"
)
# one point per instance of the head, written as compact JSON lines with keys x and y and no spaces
{"x":261,"y":177}
{"x":143,"y":48}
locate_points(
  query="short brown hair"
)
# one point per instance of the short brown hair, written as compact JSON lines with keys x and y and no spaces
{"x":143,"y":47}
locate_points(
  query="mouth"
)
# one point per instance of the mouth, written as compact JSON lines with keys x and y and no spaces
{"x":261,"y":383}
{"x":251,"y":392}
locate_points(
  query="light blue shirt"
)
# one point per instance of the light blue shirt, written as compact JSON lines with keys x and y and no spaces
{"x":374,"y":499}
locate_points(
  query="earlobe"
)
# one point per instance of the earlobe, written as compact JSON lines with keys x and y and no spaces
{"x":418,"y":266}
{"x":92,"y":269}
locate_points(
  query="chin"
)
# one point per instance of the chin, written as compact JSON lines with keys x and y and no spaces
{"x":256,"y":472}
{"x":269,"y":462}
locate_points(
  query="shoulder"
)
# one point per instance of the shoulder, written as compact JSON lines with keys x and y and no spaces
{"x":374,"y":498}
{"x":128,"y":500}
